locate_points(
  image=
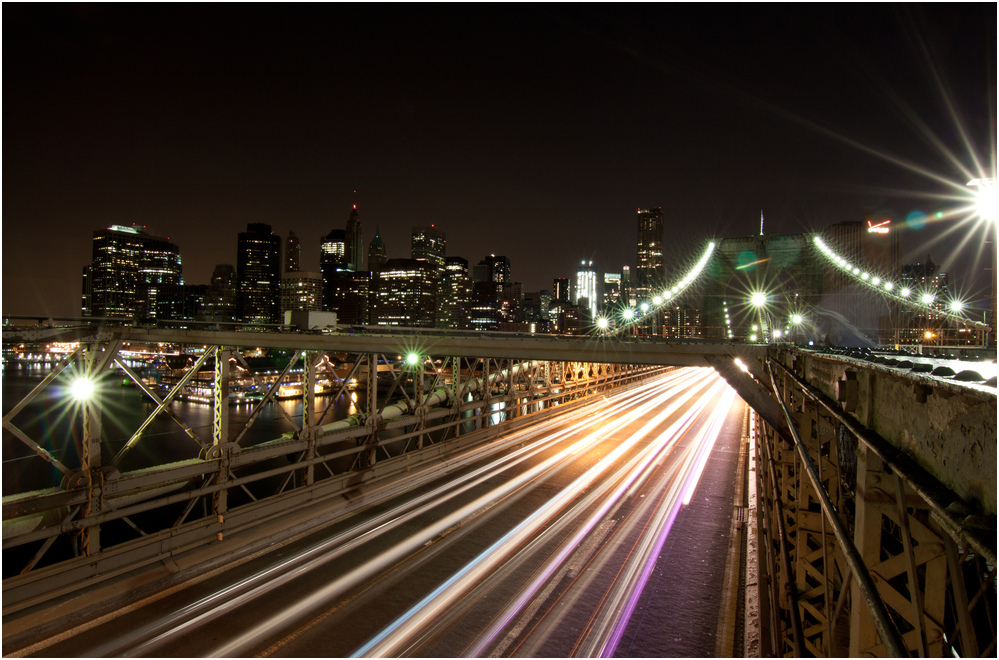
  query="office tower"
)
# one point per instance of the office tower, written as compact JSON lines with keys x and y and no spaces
{"x":376,"y":252}
{"x":128,"y":268}
{"x":457,"y":294}
{"x":403,"y":293}
{"x":301,"y":291}
{"x":612,"y":289}
{"x":292,"y":253}
{"x":332,"y":262}
{"x":626,"y":290}
{"x":221,"y":299}
{"x":349,"y":296}
{"x":159,"y":266}
{"x":181,"y":302}
{"x":429,"y":244}
{"x":650,"y":267}
{"x":483,"y":311}
{"x":258,"y":274}
{"x":500,"y":267}
{"x":560,"y":289}
{"x":355,"y":242}
{"x":85,"y":301}
{"x":586,"y":287}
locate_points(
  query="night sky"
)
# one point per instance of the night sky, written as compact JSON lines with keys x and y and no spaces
{"x":531,"y":131}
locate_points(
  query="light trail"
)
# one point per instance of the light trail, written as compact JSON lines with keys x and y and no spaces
{"x":392,"y":639}
{"x":239,"y":593}
{"x":632,"y":590}
{"x":387,"y":558}
{"x":631,"y":475}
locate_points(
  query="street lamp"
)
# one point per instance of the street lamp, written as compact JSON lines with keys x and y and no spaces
{"x":985,"y":199}
{"x":82,"y":388}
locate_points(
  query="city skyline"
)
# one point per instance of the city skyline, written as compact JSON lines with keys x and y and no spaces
{"x":530,"y":132}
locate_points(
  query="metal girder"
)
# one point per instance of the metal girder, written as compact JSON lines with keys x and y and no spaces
{"x":877,"y":568}
{"x":452,"y":401}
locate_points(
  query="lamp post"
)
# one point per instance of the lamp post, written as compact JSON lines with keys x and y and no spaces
{"x":986,"y":205}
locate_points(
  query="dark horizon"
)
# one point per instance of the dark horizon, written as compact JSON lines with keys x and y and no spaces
{"x":533,"y":132}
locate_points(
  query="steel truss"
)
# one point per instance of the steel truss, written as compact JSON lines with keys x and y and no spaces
{"x":420,"y":412}
{"x":862,"y":552}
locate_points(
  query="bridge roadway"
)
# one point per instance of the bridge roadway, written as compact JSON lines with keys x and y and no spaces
{"x":551,"y":543}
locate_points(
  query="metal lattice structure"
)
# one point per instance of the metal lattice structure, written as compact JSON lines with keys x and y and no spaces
{"x":862,"y":552}
{"x":116,"y":519}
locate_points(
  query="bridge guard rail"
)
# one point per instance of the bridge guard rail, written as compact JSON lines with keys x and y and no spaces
{"x":98,"y":520}
{"x":859,"y":553}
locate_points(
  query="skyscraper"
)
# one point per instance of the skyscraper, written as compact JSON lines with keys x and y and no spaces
{"x":301,"y":291}
{"x":332,"y":261}
{"x":650,"y":267}
{"x":292,"y":254}
{"x":355,"y":242}
{"x":376,"y":252}
{"x":128,"y":268}
{"x":586,"y":287}
{"x":402,"y":293}
{"x":429,"y":244}
{"x":560,"y":289}
{"x":457,"y":294}
{"x":221,"y":299}
{"x":258,"y":274}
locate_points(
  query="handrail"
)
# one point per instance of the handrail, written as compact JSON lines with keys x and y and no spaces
{"x":914,"y":475}
{"x":887,"y":630}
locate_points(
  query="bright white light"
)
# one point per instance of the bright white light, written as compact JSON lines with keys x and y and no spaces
{"x":776,"y":334}
{"x":752,"y":337}
{"x":927,"y":298}
{"x":889,"y":286}
{"x":876,"y":281}
{"x":645,"y":307}
{"x":865,"y":276}
{"x":82,"y":389}
{"x":658,"y":300}
{"x":758,"y":299}
{"x":602,"y":323}
{"x":957,"y":305}
{"x":905,"y":292}
{"x":412,"y":359}
{"x":629,"y":314}
{"x":986,"y":202}
{"x":796,"y":318}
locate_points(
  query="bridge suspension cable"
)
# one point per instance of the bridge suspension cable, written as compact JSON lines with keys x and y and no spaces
{"x":897,"y":292}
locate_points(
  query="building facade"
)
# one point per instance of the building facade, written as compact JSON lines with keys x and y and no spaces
{"x":650,"y":267}
{"x":128,"y":269}
{"x":586,"y":288}
{"x":403,"y":293}
{"x":301,"y":291}
{"x":292,"y":253}
{"x":258,"y":274}
{"x":356,"y":254}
